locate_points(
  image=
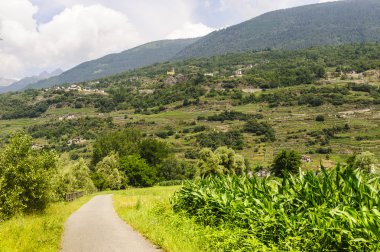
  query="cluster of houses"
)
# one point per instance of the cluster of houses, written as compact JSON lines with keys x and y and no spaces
{"x":79,"y":89}
{"x":306,"y":159}
{"x":67,"y":117}
{"x":238,"y":73}
{"x":76,"y":141}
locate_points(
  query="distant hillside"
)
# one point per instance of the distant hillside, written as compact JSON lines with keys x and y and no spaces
{"x":19,"y":85}
{"x":352,"y":21}
{"x":141,"y":56}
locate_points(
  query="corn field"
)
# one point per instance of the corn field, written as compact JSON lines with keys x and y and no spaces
{"x":337,"y":210}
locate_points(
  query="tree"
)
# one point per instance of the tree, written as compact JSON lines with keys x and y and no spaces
{"x":174,"y":169}
{"x":286,"y":162}
{"x":126,"y":142}
{"x":366,"y":161}
{"x":260,"y":129}
{"x":24,"y":177}
{"x":108,"y":174}
{"x":154,"y":151}
{"x":223,"y":161}
{"x":81,"y":177}
{"x":138,"y":172}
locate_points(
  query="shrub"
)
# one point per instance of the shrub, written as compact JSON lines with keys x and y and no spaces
{"x":320,"y":118}
{"x":366,"y":161}
{"x":286,"y":162}
{"x":260,"y":129}
{"x":231,"y":139}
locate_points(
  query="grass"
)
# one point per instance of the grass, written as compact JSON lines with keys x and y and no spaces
{"x":149,"y":212}
{"x":38,"y":232}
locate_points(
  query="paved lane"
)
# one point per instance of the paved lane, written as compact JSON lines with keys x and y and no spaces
{"x":96,"y":227}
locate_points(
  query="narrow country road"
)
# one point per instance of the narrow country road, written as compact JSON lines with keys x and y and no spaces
{"x":95,"y":227}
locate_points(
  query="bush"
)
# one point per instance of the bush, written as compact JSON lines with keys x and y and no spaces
{"x":232,"y":139}
{"x":260,"y":129}
{"x":170,"y":183}
{"x":25,"y":177}
{"x":234,"y":115}
{"x":320,"y":118}
{"x":366,"y":161}
{"x":324,"y":150}
{"x":286,"y":162}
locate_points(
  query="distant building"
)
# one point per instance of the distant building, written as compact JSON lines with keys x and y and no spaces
{"x":239,"y":73}
{"x":306,"y":159}
{"x":209,"y":74}
{"x":67,"y":117}
{"x":74,"y":88}
{"x":263,"y":173}
{"x":76,"y":141}
{"x":36,"y":146}
{"x":171,"y":73}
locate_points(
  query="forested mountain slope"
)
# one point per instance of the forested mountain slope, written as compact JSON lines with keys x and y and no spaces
{"x":141,"y":56}
{"x":334,"y":23}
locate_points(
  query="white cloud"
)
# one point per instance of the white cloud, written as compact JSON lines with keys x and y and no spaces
{"x":190,"y":30}
{"x":77,"y":34}
{"x":46,"y":34}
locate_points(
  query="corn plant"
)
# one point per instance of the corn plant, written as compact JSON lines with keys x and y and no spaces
{"x":336,"y":210}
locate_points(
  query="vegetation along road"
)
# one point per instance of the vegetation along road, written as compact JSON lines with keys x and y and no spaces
{"x":96,"y":227}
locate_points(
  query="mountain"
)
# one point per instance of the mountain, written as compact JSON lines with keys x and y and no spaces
{"x":6,"y":82}
{"x":147,"y":54}
{"x":19,"y":85}
{"x":334,"y":23}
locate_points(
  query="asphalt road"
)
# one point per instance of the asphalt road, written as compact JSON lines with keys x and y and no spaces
{"x":95,"y":227}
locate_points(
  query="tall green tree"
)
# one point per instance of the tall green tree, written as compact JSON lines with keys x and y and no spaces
{"x":222,"y":161}
{"x":108,"y":174}
{"x":138,"y":171}
{"x":81,"y":177}
{"x":124,"y":143}
{"x":25,"y":184}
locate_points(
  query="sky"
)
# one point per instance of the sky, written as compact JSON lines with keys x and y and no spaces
{"x":43,"y":35}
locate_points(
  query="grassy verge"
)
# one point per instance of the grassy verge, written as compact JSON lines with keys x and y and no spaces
{"x":149,"y":212}
{"x":39,"y":232}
